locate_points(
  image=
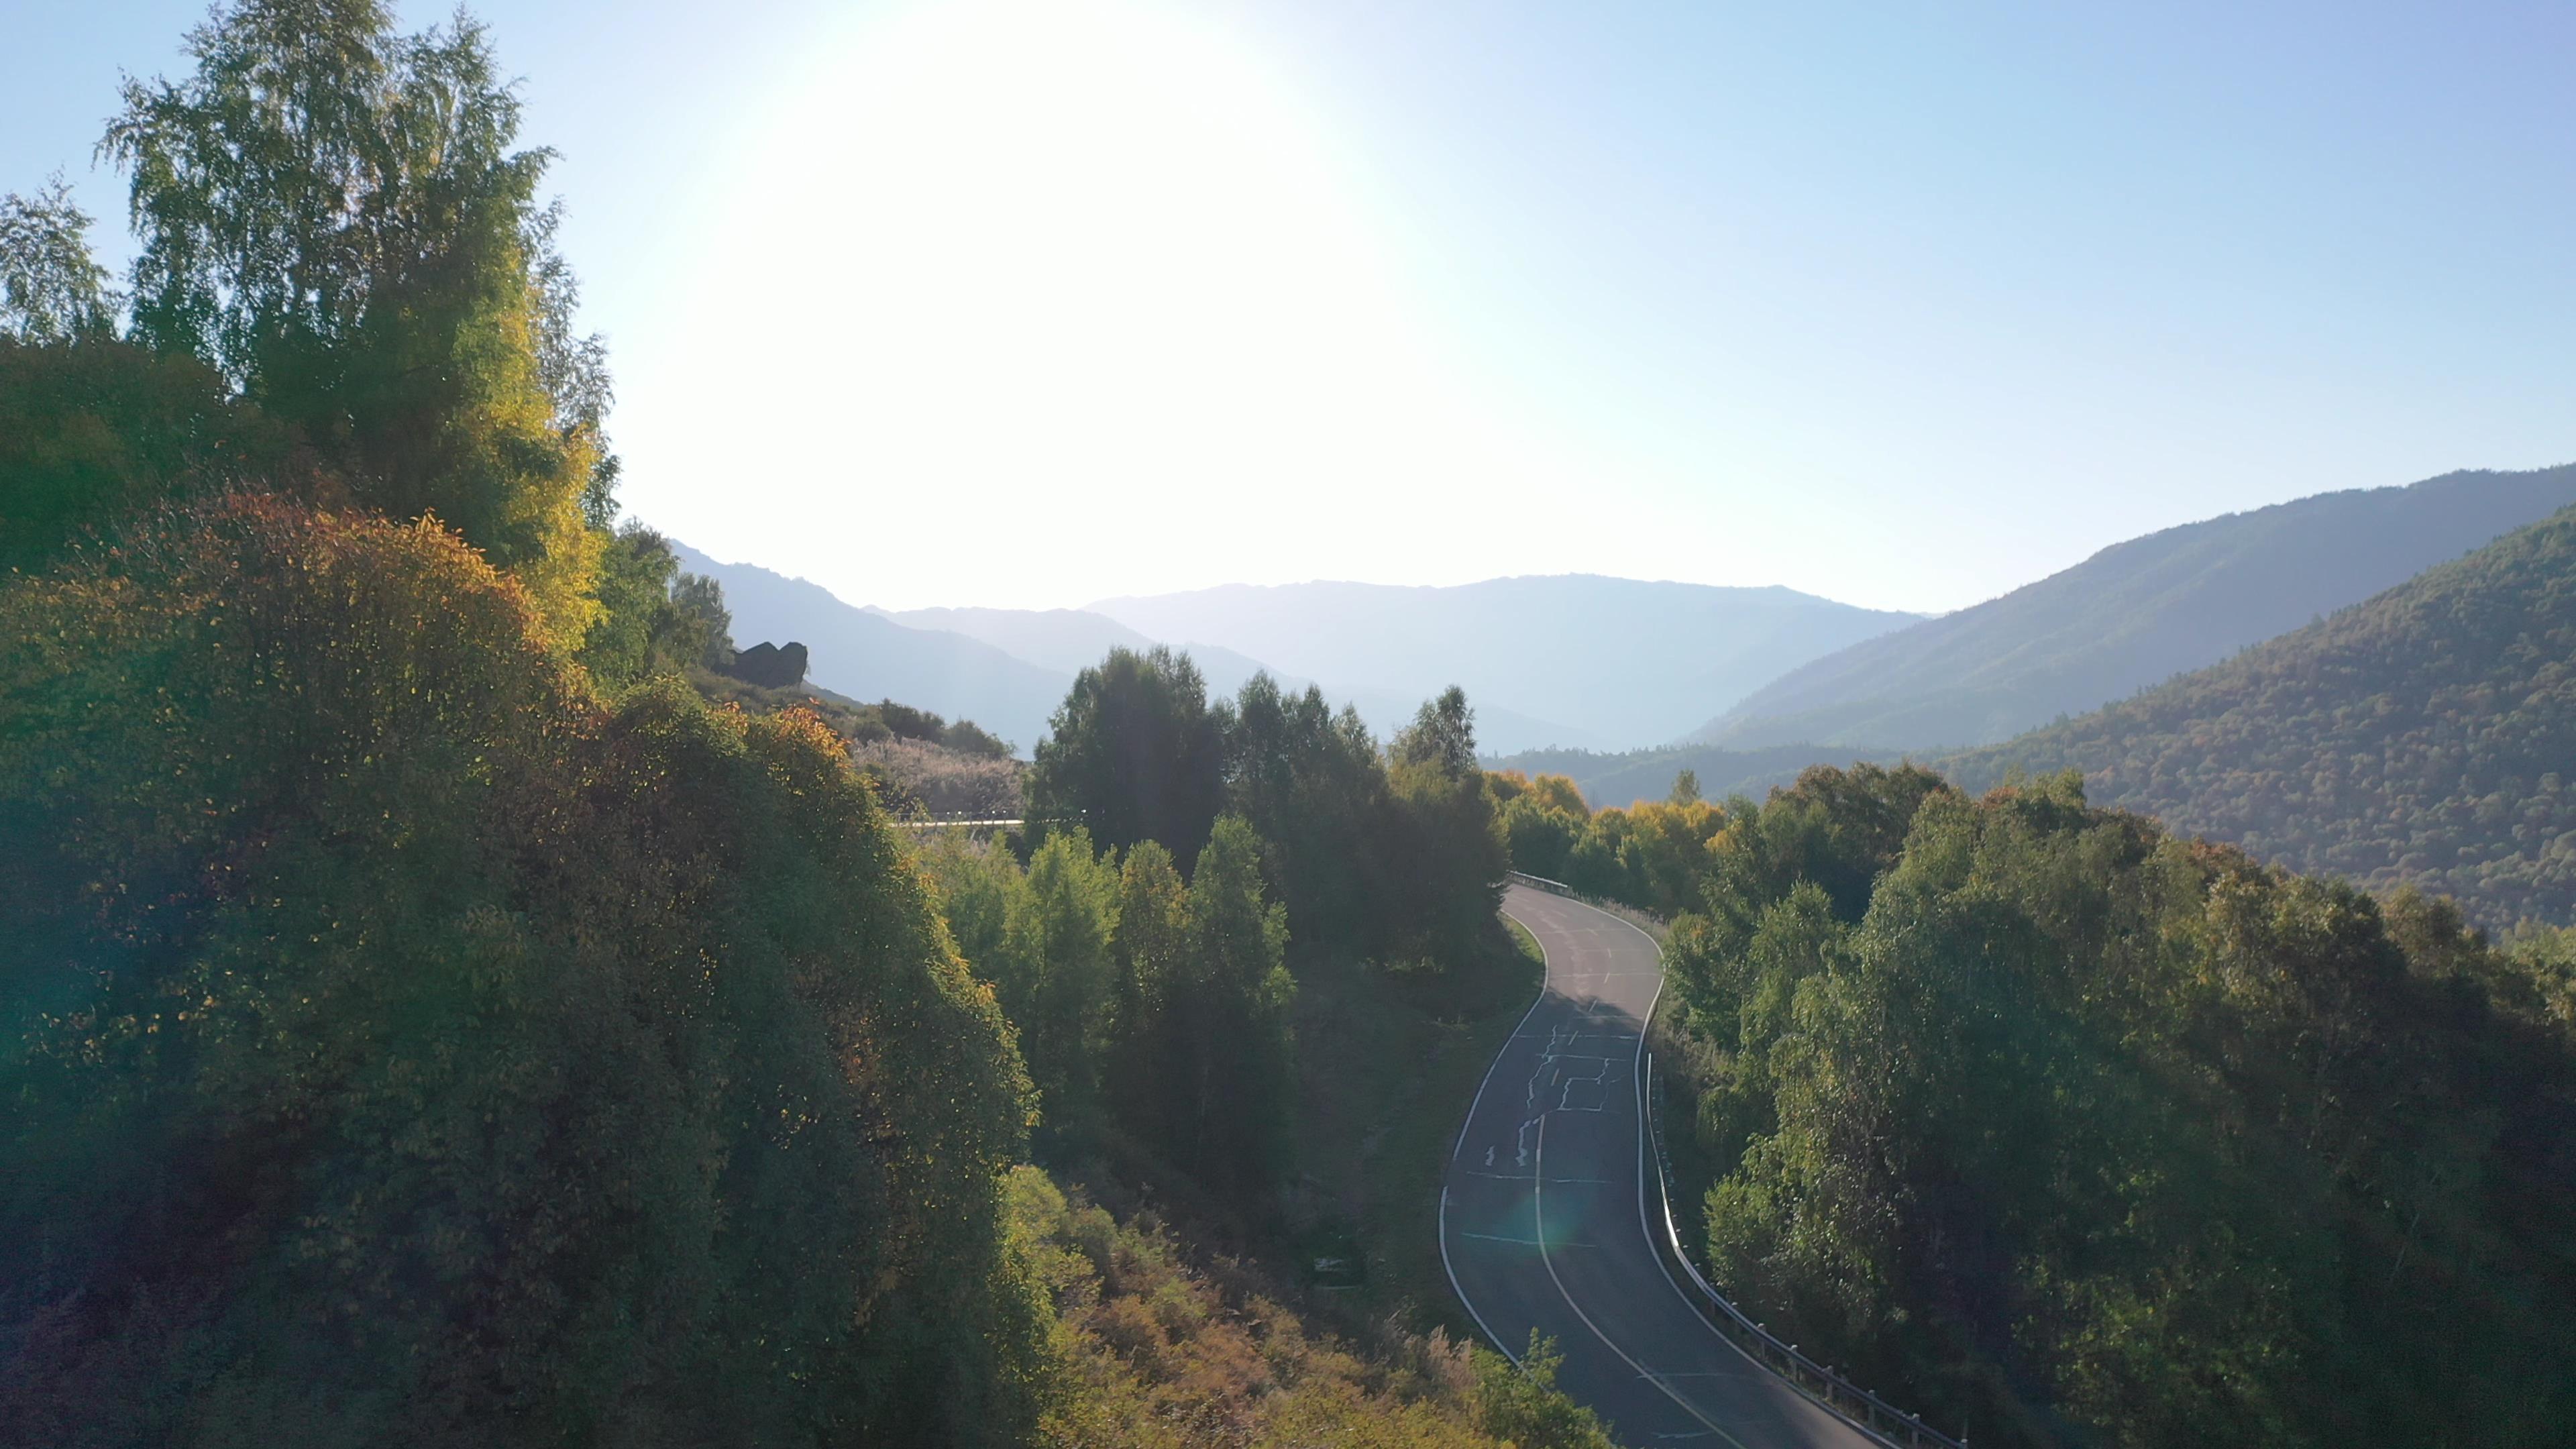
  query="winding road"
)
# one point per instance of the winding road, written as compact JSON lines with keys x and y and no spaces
{"x":1544,"y":1213}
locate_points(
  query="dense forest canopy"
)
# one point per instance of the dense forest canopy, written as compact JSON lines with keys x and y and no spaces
{"x":2078,"y":1131}
{"x":2425,"y":737}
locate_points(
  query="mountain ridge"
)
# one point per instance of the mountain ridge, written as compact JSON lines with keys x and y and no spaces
{"x":1595,"y":652}
{"x":2133,"y":614}
{"x":2425,"y":736}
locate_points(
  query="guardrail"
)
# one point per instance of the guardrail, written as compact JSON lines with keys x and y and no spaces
{"x":1853,"y":1404}
{"x":1846,"y":1400}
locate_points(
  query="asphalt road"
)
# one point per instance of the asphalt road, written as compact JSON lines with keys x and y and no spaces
{"x":1544,"y":1214}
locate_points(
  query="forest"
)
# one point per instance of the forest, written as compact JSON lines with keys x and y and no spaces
{"x":454,"y":995}
{"x":2053,"y":1123}
{"x":2423,"y":737}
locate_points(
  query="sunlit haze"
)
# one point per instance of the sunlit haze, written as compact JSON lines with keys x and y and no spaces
{"x":1060,"y":301}
{"x":1089,"y":308}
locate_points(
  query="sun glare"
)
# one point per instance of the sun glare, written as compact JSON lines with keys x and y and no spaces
{"x":1089,"y":262}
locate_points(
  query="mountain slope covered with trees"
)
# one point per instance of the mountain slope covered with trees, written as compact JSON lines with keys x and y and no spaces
{"x":2426,"y":738}
{"x":2132,"y":616}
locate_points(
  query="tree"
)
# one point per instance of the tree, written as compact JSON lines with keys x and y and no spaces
{"x":1310,"y":783}
{"x":1134,"y":753}
{"x":1145,"y":1073}
{"x":653,"y":618}
{"x":1059,"y":939}
{"x":1520,"y":1405}
{"x":51,"y":288}
{"x":333,"y":217}
{"x":2051,"y":1118}
{"x":1451,"y":855}
{"x":701,"y":601}
{"x":1232,"y":1007}
{"x":95,"y":428}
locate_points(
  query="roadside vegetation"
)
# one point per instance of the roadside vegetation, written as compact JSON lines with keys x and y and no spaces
{"x":2057,"y":1126}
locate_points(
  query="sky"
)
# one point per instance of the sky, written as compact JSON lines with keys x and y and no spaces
{"x":1026,"y":304}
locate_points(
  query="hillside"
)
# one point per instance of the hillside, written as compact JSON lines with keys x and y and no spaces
{"x":1617,"y":663}
{"x":1609,"y":780}
{"x":2424,"y":737}
{"x":2134,"y":615}
{"x":866,"y":655}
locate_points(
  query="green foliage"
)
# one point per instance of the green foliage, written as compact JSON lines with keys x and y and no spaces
{"x":410,"y":1049}
{"x":95,"y":428}
{"x":1160,"y":1008}
{"x":1310,"y":783}
{"x":653,"y":619}
{"x":1134,"y":753}
{"x":1232,"y":1011}
{"x":1448,"y":859}
{"x":2422,"y":738}
{"x":1396,"y":857}
{"x":333,"y":217}
{"x":1150,"y":956}
{"x":2081,"y":1131}
{"x":1521,"y":1405}
{"x":963,"y":736}
{"x":1053,"y":971}
{"x":52,"y":289}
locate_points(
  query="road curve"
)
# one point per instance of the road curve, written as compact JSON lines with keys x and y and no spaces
{"x":1545,"y":1208}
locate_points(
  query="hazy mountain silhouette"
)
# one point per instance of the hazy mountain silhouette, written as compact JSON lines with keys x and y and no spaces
{"x":1618,"y":662}
{"x":1008,"y":669}
{"x":2427,"y":736}
{"x":1073,"y":639}
{"x":2132,"y":615}
{"x":868,"y":656}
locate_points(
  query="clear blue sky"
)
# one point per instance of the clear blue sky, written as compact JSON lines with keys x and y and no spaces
{"x":1904,"y":305}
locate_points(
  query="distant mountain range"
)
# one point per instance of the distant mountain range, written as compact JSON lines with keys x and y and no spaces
{"x":1568,"y":659}
{"x":2425,"y":737}
{"x":868,"y":656}
{"x":1074,"y":639}
{"x":1572,"y":673}
{"x":2133,"y":615}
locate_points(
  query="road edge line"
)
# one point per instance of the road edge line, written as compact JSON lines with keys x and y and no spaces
{"x":1546,"y":978}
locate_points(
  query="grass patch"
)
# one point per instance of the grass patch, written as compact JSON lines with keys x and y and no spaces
{"x":1386,"y":1081}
